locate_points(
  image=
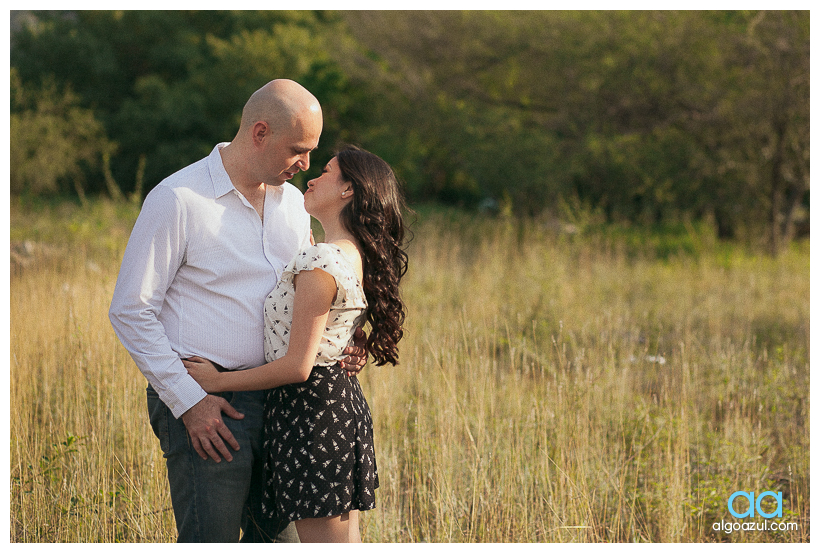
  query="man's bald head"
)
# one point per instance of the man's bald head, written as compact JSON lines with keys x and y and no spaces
{"x":281,"y":125}
{"x":282,"y":104}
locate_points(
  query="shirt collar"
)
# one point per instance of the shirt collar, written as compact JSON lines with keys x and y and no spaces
{"x":222,"y":182}
{"x":219,"y":176}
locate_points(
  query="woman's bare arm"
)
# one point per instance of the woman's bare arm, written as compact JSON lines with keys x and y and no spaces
{"x":315,"y":292}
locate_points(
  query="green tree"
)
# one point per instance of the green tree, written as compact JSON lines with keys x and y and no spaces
{"x":769,"y":126}
{"x":649,"y":116}
{"x":53,"y":141}
{"x":645,"y":116}
{"x":168,"y":85}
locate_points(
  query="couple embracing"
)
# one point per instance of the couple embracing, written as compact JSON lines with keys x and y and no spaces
{"x":250,"y":335}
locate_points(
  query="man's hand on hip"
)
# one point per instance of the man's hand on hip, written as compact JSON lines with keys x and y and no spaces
{"x":357,"y":353}
{"x":207,"y":431}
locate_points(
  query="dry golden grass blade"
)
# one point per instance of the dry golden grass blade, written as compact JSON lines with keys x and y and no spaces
{"x":552,"y":388}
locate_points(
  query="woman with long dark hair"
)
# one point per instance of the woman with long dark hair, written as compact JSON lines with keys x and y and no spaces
{"x":321,"y":465}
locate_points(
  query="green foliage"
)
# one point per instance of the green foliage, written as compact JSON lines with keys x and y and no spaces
{"x":169,"y":85}
{"x":52,"y":140}
{"x":648,"y":116}
{"x":53,"y":465}
{"x":100,"y":228}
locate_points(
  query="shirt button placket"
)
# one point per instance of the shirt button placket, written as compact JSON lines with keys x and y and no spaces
{"x":265,"y":245}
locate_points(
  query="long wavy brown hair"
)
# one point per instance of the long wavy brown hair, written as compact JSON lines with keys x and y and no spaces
{"x":374,"y":217}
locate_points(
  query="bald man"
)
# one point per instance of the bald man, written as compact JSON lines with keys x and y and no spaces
{"x":208,"y":246}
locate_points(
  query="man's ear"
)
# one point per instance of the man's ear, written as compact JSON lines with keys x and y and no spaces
{"x":259,"y":132}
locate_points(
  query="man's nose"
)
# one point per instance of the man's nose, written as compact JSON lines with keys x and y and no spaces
{"x":304,"y":162}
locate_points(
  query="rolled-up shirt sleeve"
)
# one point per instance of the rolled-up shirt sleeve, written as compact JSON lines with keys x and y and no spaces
{"x":155,"y":252}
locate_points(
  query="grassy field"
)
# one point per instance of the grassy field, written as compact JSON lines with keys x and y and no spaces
{"x":585,"y":386}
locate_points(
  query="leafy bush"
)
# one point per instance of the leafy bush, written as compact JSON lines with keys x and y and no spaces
{"x":53,"y":140}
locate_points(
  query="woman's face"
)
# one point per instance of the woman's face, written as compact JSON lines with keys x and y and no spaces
{"x":328,"y":192}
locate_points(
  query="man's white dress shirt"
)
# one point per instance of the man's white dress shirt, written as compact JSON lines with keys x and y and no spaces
{"x":195,"y":274}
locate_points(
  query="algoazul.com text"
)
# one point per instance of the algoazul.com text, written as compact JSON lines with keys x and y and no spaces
{"x":762,"y":526}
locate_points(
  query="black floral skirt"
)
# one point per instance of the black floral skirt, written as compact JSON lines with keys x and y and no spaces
{"x":319,"y":447}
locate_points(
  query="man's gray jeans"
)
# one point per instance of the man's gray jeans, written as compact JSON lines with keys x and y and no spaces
{"x":212,"y":501}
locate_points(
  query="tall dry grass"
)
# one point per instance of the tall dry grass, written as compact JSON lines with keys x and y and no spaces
{"x":552,"y":387}
{"x":84,"y":464}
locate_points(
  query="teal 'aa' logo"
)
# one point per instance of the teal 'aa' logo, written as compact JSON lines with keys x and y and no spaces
{"x":755,"y":505}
